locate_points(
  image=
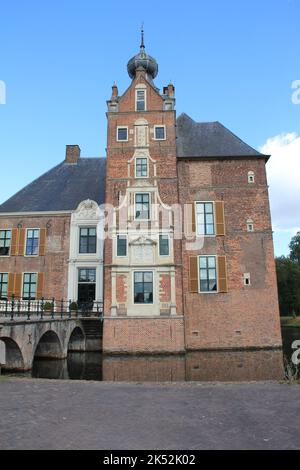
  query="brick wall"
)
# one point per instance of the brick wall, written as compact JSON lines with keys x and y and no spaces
{"x":143,"y":335}
{"x":54,"y":264}
{"x":245,"y":316}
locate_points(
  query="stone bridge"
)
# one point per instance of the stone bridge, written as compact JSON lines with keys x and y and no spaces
{"x":22,"y":340}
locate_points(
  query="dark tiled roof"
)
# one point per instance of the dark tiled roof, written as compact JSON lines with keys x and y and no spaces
{"x":61,"y":188}
{"x":209,"y":139}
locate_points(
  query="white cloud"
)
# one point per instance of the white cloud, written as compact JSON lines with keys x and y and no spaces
{"x":283,"y":170}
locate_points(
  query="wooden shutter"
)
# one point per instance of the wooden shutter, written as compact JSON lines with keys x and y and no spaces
{"x":18,"y":285}
{"x":193,"y":274}
{"x":21,"y":247}
{"x":42,"y":248}
{"x":14,"y":242}
{"x":11,"y":285}
{"x":40,"y":285}
{"x":222,"y":274}
{"x":220,"y":223}
{"x":190,"y":225}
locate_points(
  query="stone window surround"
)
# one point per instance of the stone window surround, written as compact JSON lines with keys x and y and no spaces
{"x":135,"y":161}
{"x":141,"y":87}
{"x":154,"y":134}
{"x":117,"y":135}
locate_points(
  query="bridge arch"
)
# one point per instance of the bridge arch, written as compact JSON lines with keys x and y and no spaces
{"x":77,"y":340}
{"x":49,"y":346}
{"x":14,"y":356}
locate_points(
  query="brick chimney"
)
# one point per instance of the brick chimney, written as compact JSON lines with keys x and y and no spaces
{"x":115,"y":91}
{"x":72,"y":154}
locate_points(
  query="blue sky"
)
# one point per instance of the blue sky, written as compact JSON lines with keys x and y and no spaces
{"x":231,"y":61}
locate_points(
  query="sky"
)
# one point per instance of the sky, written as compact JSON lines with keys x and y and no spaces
{"x":233,"y":61}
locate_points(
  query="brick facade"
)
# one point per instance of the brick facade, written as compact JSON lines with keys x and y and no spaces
{"x":53,"y":264}
{"x":245,"y":316}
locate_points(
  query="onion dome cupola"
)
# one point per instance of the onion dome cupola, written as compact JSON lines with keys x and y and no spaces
{"x":143,"y":60}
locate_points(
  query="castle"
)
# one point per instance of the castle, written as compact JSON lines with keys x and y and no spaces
{"x":171,"y":232}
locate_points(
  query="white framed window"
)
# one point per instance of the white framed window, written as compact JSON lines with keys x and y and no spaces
{"x":140,"y":99}
{"x":5,"y":241}
{"x":250,"y":226}
{"x":208,"y":277}
{"x":205,"y":218}
{"x":122,"y":134}
{"x":29,"y":286}
{"x":142,"y":206}
{"x":164,"y":245}
{"x":141,"y":167}
{"x":143,"y":287}
{"x":3,"y":286}
{"x":121,"y":245}
{"x":247,"y":279}
{"x":87,"y":240}
{"x":32,"y":241}
{"x":251,"y":177}
{"x":160,"y":132}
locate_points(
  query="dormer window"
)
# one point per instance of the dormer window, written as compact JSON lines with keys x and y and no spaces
{"x":140,"y":100}
{"x":122,"y":134}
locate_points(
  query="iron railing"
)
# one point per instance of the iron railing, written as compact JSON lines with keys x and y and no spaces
{"x":29,"y":309}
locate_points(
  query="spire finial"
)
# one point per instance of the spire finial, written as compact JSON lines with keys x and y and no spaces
{"x":142,"y":36}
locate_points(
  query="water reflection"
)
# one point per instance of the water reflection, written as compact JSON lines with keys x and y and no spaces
{"x":194,"y":366}
{"x":78,"y":366}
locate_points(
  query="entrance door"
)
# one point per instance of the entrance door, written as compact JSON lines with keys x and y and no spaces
{"x":86,"y":288}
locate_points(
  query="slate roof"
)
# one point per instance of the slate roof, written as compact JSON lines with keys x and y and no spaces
{"x":209,"y":139}
{"x":61,"y":188}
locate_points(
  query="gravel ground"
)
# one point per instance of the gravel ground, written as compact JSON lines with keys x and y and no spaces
{"x":45,"y":414}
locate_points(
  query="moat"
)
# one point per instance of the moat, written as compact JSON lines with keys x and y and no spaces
{"x":193,"y":366}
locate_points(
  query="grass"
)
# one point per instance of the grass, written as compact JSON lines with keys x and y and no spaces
{"x":290,"y":321}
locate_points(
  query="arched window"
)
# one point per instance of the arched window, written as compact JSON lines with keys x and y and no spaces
{"x":251,"y":177}
{"x":250,"y":226}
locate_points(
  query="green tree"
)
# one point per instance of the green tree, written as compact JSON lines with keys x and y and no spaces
{"x":295,"y":248}
{"x":288,"y":279}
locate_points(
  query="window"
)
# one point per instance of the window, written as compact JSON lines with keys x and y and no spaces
{"x":29,"y":286}
{"x":140,"y":100}
{"x":208,"y":273}
{"x":159,"y":132}
{"x":87,"y":275}
{"x":122,"y":133}
{"x":250,"y":226}
{"x":141,"y":167}
{"x":32,"y":242}
{"x":251,"y":177}
{"x":143,"y":287}
{"x":86,"y":288}
{"x":164,"y":245}
{"x":247,"y":279}
{"x":142,"y":206}
{"x":88,"y":240}
{"x":3,"y":285}
{"x":205,"y":218}
{"x":122,"y":245}
{"x":5,"y":237}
